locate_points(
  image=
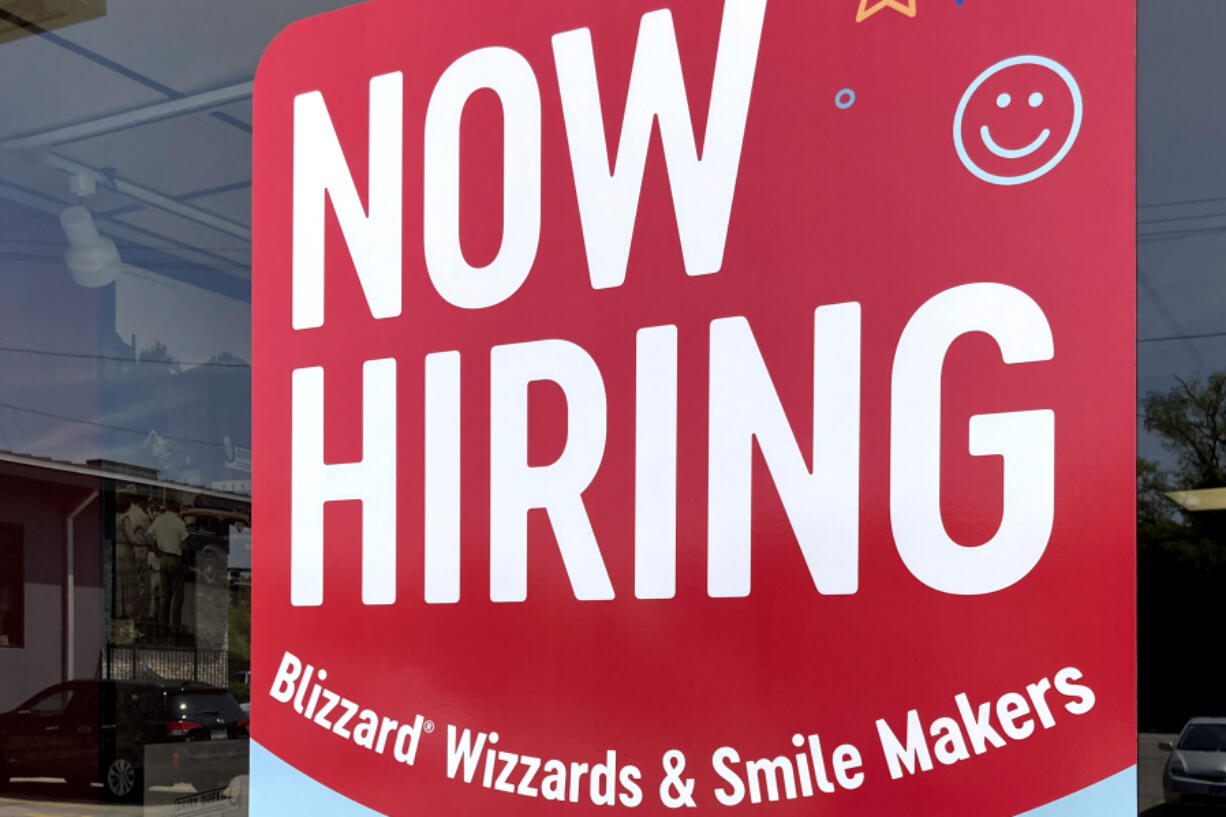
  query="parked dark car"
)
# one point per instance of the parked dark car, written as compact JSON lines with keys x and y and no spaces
{"x":127,"y":735}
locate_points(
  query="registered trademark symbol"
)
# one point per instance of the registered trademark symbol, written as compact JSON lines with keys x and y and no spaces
{"x":428,"y":726}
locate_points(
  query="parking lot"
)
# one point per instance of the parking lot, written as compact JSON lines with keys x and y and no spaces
{"x":52,"y":799}
{"x":1150,"y":760}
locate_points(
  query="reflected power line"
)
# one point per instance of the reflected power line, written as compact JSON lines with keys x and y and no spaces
{"x":1168,"y":338}
{"x":96,"y":424}
{"x":121,"y":359}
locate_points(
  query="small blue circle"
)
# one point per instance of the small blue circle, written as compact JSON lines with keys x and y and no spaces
{"x":844,"y":99}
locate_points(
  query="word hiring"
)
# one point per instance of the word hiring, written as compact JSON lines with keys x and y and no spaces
{"x":821,"y":502}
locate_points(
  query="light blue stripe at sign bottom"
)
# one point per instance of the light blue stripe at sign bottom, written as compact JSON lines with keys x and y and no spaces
{"x":278,"y":788}
{"x":1114,"y":797}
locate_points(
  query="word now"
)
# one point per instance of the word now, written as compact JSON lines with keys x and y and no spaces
{"x":608,"y":202}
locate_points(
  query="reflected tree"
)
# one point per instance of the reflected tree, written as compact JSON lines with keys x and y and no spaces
{"x":1181,"y":556}
{"x":1190,"y":419}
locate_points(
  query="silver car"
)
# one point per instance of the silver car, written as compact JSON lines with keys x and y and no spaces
{"x":1196,"y":770}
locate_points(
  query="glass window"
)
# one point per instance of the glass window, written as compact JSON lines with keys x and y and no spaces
{"x":1204,"y":737}
{"x":52,"y":703}
{"x":125,"y":423}
{"x":212,"y":703}
{"x":125,"y":351}
{"x":1181,"y":394}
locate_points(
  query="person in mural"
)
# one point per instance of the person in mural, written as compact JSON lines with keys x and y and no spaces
{"x":132,"y":527}
{"x":168,"y":533}
{"x":126,"y":604}
{"x":157,"y":585}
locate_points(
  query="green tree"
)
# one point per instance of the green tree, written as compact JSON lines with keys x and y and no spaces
{"x":1181,"y":556}
{"x":1190,"y":419}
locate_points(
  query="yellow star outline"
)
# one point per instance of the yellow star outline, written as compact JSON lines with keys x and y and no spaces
{"x":907,"y":7}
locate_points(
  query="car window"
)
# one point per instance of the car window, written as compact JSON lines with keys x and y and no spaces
{"x":1204,"y":737}
{"x":219,"y":704}
{"x":49,"y":703}
{"x":85,"y":702}
{"x":142,"y":703}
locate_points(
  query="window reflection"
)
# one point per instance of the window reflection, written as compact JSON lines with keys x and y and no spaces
{"x":124,"y":312}
{"x":1181,"y":401}
{"x":125,"y":427}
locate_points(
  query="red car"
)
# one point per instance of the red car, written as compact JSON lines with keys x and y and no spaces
{"x":127,"y":735}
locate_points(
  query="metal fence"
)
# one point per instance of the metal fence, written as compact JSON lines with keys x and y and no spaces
{"x":136,"y":663}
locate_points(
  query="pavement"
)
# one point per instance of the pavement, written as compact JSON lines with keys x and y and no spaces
{"x":46,"y":798}
{"x":1150,"y":762}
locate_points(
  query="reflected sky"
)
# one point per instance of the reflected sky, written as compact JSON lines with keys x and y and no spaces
{"x":1181,"y":195}
{"x":1181,"y":259}
{"x":91,"y":398}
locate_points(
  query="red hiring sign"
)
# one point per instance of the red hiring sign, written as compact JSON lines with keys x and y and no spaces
{"x":724,"y":405}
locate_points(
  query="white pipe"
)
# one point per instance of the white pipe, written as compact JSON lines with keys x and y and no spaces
{"x":149,"y":197}
{"x":70,"y":589}
{"x":194,"y":103}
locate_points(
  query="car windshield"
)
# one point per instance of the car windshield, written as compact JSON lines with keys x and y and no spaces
{"x":1204,"y":737}
{"x":214,"y":704}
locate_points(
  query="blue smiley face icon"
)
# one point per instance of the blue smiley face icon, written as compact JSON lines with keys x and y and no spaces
{"x":1018,"y":120}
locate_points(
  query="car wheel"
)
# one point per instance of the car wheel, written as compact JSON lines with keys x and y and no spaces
{"x":5,"y":783}
{"x":123,"y":780}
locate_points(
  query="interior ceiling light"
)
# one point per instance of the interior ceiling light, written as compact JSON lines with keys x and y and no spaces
{"x":1203,"y":499}
{"x":21,"y":18}
{"x":92,"y":258}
